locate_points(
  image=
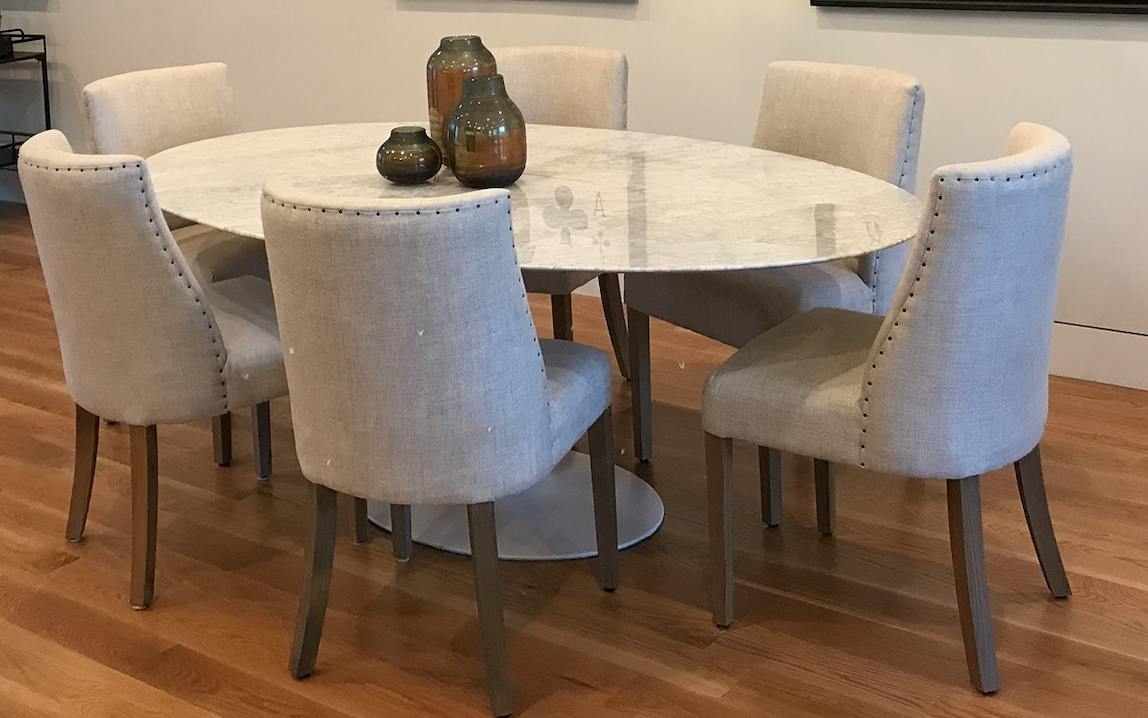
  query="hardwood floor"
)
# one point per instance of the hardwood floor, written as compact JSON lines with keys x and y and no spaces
{"x":863,"y":623}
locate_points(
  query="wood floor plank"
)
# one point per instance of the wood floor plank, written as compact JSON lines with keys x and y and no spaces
{"x":49,"y":679}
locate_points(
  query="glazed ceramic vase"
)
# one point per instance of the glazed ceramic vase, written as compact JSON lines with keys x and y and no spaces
{"x":486,"y":135}
{"x":457,"y":59}
{"x":408,"y":156}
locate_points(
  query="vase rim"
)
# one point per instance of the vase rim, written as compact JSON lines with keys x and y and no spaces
{"x":451,"y":39}
{"x":408,"y":130}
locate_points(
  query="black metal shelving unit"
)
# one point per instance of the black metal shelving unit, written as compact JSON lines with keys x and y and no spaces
{"x":26,"y":47}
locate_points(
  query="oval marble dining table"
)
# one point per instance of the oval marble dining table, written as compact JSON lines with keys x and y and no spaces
{"x":600,"y":200}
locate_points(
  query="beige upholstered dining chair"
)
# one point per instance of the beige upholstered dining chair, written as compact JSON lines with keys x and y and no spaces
{"x":142,"y":113}
{"x":417,"y":378}
{"x":952,"y":383}
{"x":573,"y":87}
{"x":143,"y":341}
{"x":866,"y":119}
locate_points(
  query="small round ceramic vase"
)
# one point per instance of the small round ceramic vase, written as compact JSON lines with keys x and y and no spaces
{"x":408,"y":156}
{"x":486,"y":135}
{"x":457,"y":58}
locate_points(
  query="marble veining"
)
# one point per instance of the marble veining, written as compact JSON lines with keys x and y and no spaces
{"x":601,"y":200}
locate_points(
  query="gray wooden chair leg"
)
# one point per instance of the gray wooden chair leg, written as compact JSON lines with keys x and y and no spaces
{"x":562,"y":316}
{"x":221,"y":438}
{"x":318,"y":560}
{"x":769,"y":468}
{"x":611,"y":290}
{"x":641,"y":408}
{"x":966,"y":540}
{"x":401,"y":532}
{"x":719,"y":492}
{"x":1030,"y":481}
{"x":145,"y":512}
{"x":362,"y":525}
{"x":261,"y":437}
{"x":488,"y":593}
{"x":605,"y":500}
{"x":826,"y":496}
{"x":87,"y":443}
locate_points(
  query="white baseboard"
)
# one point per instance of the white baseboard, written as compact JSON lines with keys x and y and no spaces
{"x":1101,"y":355}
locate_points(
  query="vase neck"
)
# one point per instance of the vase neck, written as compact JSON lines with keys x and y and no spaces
{"x":483,"y":86}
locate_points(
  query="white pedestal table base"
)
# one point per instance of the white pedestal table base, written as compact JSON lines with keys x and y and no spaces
{"x":553,"y":520}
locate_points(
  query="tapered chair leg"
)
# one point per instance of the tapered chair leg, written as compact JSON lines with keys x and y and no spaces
{"x":719,"y":492}
{"x":641,"y":409}
{"x":362,"y":525}
{"x":562,"y":316}
{"x":145,"y":512}
{"x":401,"y":544}
{"x":611,"y":290}
{"x":487,"y":589}
{"x":769,"y":468}
{"x":318,"y":560}
{"x":261,"y":438}
{"x":1030,"y":481}
{"x":966,"y":540}
{"x":221,"y":438}
{"x":87,"y":443}
{"x":605,"y":500}
{"x":826,"y":496}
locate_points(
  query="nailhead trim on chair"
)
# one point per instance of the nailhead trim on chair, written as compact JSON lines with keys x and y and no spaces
{"x":195,"y":295}
{"x":166,"y":248}
{"x":909,"y":136}
{"x":900,"y":183}
{"x":905,"y":308}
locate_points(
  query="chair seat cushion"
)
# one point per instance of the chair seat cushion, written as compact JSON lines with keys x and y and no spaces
{"x":554,"y":281}
{"x":797,"y":387}
{"x":215,"y":255}
{"x":578,"y":380}
{"x":734,"y":307}
{"x":245,"y":312}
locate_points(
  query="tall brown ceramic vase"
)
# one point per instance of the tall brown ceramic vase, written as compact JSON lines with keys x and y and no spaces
{"x":457,"y":58}
{"x":486,"y":135}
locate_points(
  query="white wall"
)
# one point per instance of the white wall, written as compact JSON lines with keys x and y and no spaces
{"x":695,"y":70}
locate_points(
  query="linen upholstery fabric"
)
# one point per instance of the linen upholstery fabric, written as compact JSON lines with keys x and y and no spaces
{"x":145,"y":112}
{"x":578,"y":389}
{"x":862,"y":118}
{"x":555,"y":281}
{"x":733,"y":307}
{"x":865,"y":119}
{"x":215,"y":255}
{"x":142,"y":342}
{"x":566,"y":85}
{"x":416,"y":373}
{"x":149,"y":111}
{"x":953,"y":382}
{"x":569,"y":86}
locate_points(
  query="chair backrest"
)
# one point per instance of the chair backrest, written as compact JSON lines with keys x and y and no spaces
{"x":138,"y":339}
{"x":566,"y":85}
{"x":866,"y":119}
{"x":957,"y":381}
{"x":142,"y":113}
{"x":414,"y":368}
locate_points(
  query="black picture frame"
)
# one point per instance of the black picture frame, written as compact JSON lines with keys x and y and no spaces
{"x":1089,"y":6}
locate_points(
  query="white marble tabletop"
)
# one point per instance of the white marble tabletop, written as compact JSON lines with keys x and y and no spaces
{"x":599,"y":200}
